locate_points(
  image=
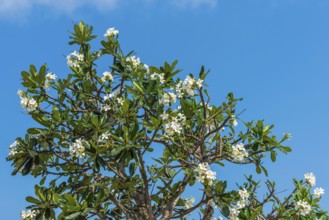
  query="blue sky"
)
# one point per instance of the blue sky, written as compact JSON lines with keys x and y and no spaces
{"x":273,"y":53}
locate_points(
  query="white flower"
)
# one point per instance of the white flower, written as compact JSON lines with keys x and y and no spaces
{"x":27,"y":103}
{"x":241,"y":204}
{"x":24,"y":101}
{"x":164,"y":116}
{"x":310,"y":179}
{"x":288,"y":136}
{"x":234,"y":122}
{"x":188,"y":85}
{"x":51,"y":76}
{"x":172,"y":128}
{"x":74,"y":59}
{"x":202,"y":167}
{"x":20,"y":93}
{"x":159,"y":76}
{"x":106,"y":107}
{"x":180,"y":118}
{"x":32,"y":105}
{"x":168,"y":98}
{"x":120,"y":101}
{"x":104,"y":137}
{"x":318,"y":192}
{"x":244,"y":194}
{"x":77,"y":149}
{"x":106,"y":97}
{"x":111,"y":32}
{"x":135,"y":61}
{"x":179,"y":89}
{"x":303,"y":208}
{"x":239,"y":152}
{"x":28,"y":215}
{"x":205,"y":175}
{"x":188,"y":202}
{"x":234,"y":213}
{"x":199,"y":83}
{"x":13,"y":148}
{"x":107,"y":76}
{"x":210,"y":176}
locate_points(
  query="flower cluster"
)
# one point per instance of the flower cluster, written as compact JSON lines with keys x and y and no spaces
{"x":188,"y":85}
{"x":113,"y":95}
{"x":28,"y":103}
{"x":50,"y":77}
{"x":74,"y":59}
{"x":239,"y":152}
{"x":13,"y":148}
{"x":28,"y":215}
{"x":77,"y":149}
{"x":205,"y":175}
{"x":234,"y":213}
{"x":168,"y":98}
{"x":244,"y":196}
{"x":160,"y":76}
{"x":135,"y":61}
{"x":111,"y":32}
{"x":303,"y":208}
{"x":318,"y":192}
{"x":188,"y":202}
{"x":174,"y":126}
{"x":235,"y":209}
{"x":310,"y":179}
{"x":107,"y":76}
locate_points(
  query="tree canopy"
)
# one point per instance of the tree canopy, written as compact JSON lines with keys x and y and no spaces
{"x":132,"y":141}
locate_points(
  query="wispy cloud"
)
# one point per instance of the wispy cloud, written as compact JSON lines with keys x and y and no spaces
{"x":20,"y":8}
{"x":194,"y":3}
{"x":16,"y":9}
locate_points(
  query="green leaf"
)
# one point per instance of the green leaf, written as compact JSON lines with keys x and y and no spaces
{"x":258,"y":169}
{"x":139,"y":87}
{"x":117,"y":150}
{"x":273,"y":156}
{"x":132,"y":169}
{"x":32,"y":200}
{"x":42,"y":181}
{"x":39,"y":193}
{"x":73,"y":215}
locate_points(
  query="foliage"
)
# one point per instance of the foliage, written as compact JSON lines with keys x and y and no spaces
{"x":127,"y":144}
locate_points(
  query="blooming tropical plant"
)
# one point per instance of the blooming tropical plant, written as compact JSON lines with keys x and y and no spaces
{"x":133,"y":141}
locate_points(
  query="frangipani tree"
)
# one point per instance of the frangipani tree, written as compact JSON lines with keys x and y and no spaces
{"x":129,"y":141}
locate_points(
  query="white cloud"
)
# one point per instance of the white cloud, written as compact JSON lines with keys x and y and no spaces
{"x":194,"y":3}
{"x":19,"y":8}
